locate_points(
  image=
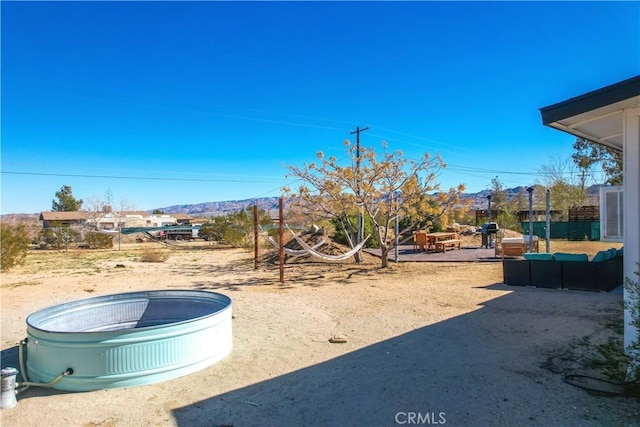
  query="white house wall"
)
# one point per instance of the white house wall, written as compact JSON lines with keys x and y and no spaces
{"x":631,"y":170}
{"x":135,"y":221}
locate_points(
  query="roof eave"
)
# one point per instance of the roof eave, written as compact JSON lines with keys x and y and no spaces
{"x":588,"y":137}
{"x":590,"y":101}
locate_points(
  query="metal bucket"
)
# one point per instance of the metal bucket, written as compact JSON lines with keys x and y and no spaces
{"x":128,"y":339}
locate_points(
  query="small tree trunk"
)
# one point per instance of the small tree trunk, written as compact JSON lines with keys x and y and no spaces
{"x":385,"y":255}
{"x":358,"y":255}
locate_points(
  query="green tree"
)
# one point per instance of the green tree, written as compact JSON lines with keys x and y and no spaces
{"x":58,"y":235}
{"x":498,"y":193}
{"x":381,"y":187}
{"x":342,"y":238}
{"x":14,"y":244}
{"x":589,"y":154}
{"x":65,"y":201}
{"x":505,"y":210}
{"x":234,"y":228}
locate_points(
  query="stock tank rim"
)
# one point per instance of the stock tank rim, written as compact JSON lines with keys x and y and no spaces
{"x":77,"y":305}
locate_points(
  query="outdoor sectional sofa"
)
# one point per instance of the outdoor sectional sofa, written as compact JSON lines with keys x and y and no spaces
{"x":566,"y":271}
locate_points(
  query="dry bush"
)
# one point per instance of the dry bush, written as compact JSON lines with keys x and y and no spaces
{"x":98,"y":241}
{"x":154,"y":255}
{"x":14,"y":245}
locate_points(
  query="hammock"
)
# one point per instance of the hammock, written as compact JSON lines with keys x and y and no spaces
{"x":326,"y":257}
{"x":294,"y":252}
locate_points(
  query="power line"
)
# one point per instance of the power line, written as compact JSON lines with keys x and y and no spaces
{"x":468,"y":170}
{"x":433,"y":141}
{"x":120,"y":171}
{"x":143,"y":178}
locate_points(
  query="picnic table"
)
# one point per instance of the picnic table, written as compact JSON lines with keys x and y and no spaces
{"x":443,"y":240}
{"x":439,"y":241}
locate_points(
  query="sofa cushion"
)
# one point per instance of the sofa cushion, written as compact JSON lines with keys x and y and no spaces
{"x":560,"y":256}
{"x":620,"y":251}
{"x":512,"y":240}
{"x":601,"y":256}
{"x":531,"y":256}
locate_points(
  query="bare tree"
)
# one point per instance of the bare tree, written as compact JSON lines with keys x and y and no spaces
{"x":589,"y":154}
{"x":567,"y":185}
{"x":381,"y":187}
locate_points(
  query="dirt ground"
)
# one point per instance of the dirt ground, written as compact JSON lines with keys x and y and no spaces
{"x":426,"y":343}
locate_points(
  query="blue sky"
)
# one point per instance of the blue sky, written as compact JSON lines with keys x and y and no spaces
{"x":163,"y":103}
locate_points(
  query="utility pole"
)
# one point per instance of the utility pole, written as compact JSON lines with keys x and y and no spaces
{"x":547,"y":235}
{"x":281,"y":237}
{"x":360,"y":217}
{"x":255,"y":236}
{"x":357,"y":132}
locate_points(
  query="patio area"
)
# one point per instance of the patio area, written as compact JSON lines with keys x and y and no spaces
{"x":407,"y":253}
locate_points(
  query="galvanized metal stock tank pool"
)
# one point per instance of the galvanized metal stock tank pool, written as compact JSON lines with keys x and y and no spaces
{"x":128,"y":339}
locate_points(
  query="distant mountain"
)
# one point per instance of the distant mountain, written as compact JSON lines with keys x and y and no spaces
{"x":207,"y":209}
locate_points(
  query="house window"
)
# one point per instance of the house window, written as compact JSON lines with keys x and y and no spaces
{"x":611,"y":211}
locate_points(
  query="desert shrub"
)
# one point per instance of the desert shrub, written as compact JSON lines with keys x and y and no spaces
{"x":612,"y":361}
{"x":59,"y":237}
{"x":209,"y":231}
{"x":154,"y":255}
{"x":14,"y":244}
{"x":98,"y":240}
{"x":616,"y":363}
{"x":633,"y":289}
{"x":234,"y":228}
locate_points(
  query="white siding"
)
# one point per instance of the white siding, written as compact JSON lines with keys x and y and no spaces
{"x":611,"y":214}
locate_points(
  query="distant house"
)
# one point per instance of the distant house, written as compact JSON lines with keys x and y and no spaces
{"x":199,"y":221}
{"x":182,"y":219}
{"x":72,"y":219}
{"x":111,"y":220}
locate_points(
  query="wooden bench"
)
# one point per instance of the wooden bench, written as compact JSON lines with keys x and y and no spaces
{"x":443,"y":245}
{"x":512,"y":247}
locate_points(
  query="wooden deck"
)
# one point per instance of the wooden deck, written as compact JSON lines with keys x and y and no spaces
{"x":406,"y":253}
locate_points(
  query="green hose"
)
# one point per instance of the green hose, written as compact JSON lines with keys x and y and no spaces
{"x":22,"y":386}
